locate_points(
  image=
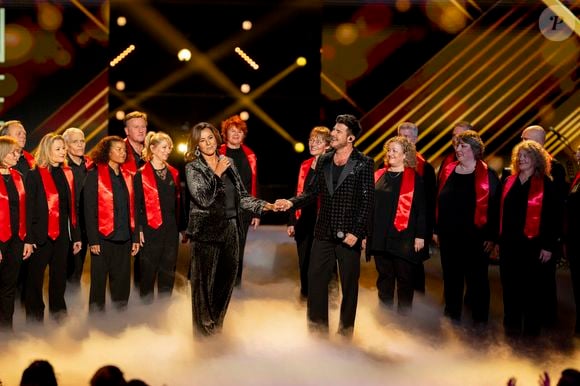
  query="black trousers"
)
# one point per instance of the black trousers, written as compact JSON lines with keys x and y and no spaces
{"x":9,"y":268}
{"x":395,"y":271}
{"x":158,"y":261}
{"x":213,"y":275}
{"x":304,"y":248}
{"x":53,"y":253}
{"x":114,"y":263}
{"x":325,"y":254}
{"x":465,"y":265}
{"x":246,"y":219}
{"x":521,"y":274}
{"x":75,"y":263}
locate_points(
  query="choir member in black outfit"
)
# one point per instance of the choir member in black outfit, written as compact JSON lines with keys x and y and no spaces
{"x":217,"y":198}
{"x":572,"y":239}
{"x":16,"y":130}
{"x":234,"y":131}
{"x":466,"y":227}
{"x":79,"y":163}
{"x":302,"y":221}
{"x":135,"y":131}
{"x":112,"y":226}
{"x":157,"y":194}
{"x":530,"y":219}
{"x":410,"y":131}
{"x":398,"y":225}
{"x":549,"y":299}
{"x":51,"y":223}
{"x":12,"y":228}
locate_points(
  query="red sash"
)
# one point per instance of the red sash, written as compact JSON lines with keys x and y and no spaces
{"x":88,"y":162}
{"x":252,"y":160}
{"x":151,"y":194}
{"x":420,"y":164}
{"x":105,"y":210}
{"x":406,"y":193}
{"x":130,"y":162}
{"x":304,"y":169}
{"x":5,"y":224}
{"x":53,"y":201}
{"x":534,"y":209}
{"x":29,"y":158}
{"x":449,"y":158}
{"x":481,"y":190}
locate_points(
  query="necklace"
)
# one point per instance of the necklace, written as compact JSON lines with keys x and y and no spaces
{"x":162,"y":173}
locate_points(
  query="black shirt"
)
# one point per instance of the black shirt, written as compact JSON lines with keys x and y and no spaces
{"x":61,"y":184}
{"x":121,"y":231}
{"x":13,"y":203}
{"x":243,"y":166}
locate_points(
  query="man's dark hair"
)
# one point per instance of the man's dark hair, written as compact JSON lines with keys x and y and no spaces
{"x":351,"y":122}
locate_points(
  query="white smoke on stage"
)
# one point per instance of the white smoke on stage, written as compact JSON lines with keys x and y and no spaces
{"x":266,"y":342}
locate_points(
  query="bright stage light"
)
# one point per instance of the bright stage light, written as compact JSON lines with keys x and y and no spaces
{"x":120,"y":85}
{"x":244,"y":115}
{"x":301,"y":61}
{"x":246,"y":25}
{"x":298,"y":147}
{"x":121,"y":21}
{"x":120,"y":115}
{"x":184,"y":55}
{"x":245,"y":88}
{"x":182,"y":147}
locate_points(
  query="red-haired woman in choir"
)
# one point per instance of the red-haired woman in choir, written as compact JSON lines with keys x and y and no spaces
{"x":112,"y":226}
{"x":12,"y":227}
{"x":157,"y":193}
{"x":529,"y":228}
{"x":51,"y":224}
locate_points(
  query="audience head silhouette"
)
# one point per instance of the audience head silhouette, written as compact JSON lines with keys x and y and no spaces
{"x":39,"y":373}
{"x":108,"y":376}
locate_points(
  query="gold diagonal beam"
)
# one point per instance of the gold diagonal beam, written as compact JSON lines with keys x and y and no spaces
{"x":97,"y":22}
{"x":340,"y":92}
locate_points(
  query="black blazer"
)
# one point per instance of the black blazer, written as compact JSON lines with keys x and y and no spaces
{"x":346,"y":207}
{"x":207,"y":216}
{"x":37,"y":211}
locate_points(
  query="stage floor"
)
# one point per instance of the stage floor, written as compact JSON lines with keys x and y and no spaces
{"x":265,"y":340}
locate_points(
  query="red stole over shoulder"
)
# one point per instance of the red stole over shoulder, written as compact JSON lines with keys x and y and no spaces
{"x":534,"y":209}
{"x":406,"y":193}
{"x":88,"y":162}
{"x":29,"y":158}
{"x":576,"y":181}
{"x":481,"y":189}
{"x":252,"y":161}
{"x":5,"y":223}
{"x":131,"y":163}
{"x":420,"y":168}
{"x":52,"y":199}
{"x":151,"y":194}
{"x":449,"y":158}
{"x":303,"y":172}
{"x":105,"y":210}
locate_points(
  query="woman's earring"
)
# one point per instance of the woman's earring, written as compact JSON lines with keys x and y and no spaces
{"x":197,"y":152}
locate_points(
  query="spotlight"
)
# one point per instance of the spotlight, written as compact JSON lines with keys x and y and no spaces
{"x":245,"y":88}
{"x":184,"y":55}
{"x":120,"y":85}
{"x":246,"y":25}
{"x":301,"y":61}
{"x":247,"y":58}
{"x":298,"y":147}
{"x":182,"y":147}
{"x":120,"y":115}
{"x":244,"y":115}
{"x":121,"y":21}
